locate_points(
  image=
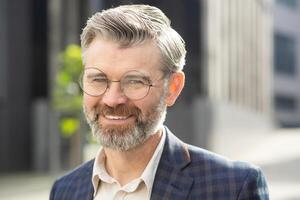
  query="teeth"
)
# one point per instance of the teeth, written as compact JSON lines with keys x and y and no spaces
{"x":116,"y":117}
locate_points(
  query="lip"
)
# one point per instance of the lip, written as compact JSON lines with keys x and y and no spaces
{"x":116,"y":120}
{"x":114,"y":117}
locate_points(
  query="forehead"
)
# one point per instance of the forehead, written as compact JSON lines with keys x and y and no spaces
{"x":114,"y":60}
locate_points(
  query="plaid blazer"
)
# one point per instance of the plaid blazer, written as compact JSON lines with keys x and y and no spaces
{"x":184,"y":172}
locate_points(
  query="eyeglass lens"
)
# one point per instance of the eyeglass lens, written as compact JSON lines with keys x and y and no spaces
{"x":134,"y":84}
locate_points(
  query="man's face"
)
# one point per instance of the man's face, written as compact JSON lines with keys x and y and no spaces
{"x":117,"y":121}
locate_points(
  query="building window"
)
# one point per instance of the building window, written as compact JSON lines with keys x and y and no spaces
{"x":285,"y":54}
{"x":289,"y":3}
{"x":285,"y":103}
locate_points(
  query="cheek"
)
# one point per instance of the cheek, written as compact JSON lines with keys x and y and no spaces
{"x":90,"y":102}
{"x":150,"y":102}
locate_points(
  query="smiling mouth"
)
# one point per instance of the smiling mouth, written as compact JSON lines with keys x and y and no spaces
{"x":114,"y":117}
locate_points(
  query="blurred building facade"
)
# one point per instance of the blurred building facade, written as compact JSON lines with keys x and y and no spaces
{"x":228,"y":73}
{"x":287,"y":62}
{"x":238,"y":74}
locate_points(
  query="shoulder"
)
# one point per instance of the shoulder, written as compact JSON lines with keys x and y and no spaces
{"x":204,"y":161}
{"x":78,"y":173}
{"x":73,"y":181}
{"x":200,"y":158}
{"x":214,"y":174}
{"x":212,"y":161}
{"x":241,"y":178}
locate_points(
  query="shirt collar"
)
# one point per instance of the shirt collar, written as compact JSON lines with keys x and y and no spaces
{"x":148,"y":175}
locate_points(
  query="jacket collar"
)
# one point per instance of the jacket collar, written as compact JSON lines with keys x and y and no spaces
{"x":87,"y":173}
{"x":171,"y":177}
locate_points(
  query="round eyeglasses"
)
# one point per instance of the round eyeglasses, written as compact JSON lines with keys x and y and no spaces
{"x":134,"y":84}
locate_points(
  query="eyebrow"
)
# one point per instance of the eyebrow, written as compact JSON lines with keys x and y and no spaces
{"x":95,"y":74}
{"x":146,"y":78}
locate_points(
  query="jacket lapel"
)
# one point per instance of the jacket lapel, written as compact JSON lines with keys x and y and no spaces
{"x":171,"y":179}
{"x":87,"y":194}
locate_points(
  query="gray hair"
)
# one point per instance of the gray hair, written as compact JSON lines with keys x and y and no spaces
{"x":131,"y":25}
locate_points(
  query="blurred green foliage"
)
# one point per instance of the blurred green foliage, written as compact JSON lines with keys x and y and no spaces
{"x":68,"y":126}
{"x":67,"y":96}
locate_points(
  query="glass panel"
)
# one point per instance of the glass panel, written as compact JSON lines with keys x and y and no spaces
{"x":289,"y":3}
{"x":285,"y":54}
{"x":285,"y":103}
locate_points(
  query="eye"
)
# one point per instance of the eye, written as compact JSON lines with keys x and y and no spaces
{"x":136,"y":82}
{"x":135,"y":79}
{"x":99,"y":80}
{"x":95,"y":79}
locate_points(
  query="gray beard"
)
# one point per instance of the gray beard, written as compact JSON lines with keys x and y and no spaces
{"x":132,"y":136}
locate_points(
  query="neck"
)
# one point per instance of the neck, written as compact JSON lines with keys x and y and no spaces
{"x":126,"y":166}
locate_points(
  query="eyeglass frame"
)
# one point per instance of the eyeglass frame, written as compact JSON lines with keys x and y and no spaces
{"x":151,"y":84}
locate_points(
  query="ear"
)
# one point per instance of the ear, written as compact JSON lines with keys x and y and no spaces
{"x":176,"y":84}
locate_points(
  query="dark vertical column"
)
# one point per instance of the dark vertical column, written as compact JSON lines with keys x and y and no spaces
{"x":70,"y":22}
{"x":3,"y":83}
{"x":39,"y":87}
{"x":39,"y":80}
{"x":15,"y":108}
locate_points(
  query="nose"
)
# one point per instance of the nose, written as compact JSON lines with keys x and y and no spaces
{"x":113,"y":95}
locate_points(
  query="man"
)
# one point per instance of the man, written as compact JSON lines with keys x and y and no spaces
{"x":133,"y":71}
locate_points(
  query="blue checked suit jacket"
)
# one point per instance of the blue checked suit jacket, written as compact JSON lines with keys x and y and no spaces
{"x":184,"y":172}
